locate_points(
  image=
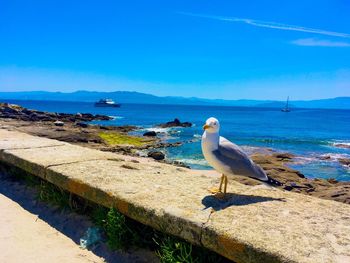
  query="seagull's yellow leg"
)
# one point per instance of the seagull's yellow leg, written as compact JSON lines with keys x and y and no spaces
{"x":225,"y":186}
{"x":222,"y":195}
{"x":215,"y":190}
{"x":221,"y":181}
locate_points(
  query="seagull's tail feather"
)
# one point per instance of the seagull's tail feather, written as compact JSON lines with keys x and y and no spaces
{"x":273,"y":182}
{"x":270,"y":181}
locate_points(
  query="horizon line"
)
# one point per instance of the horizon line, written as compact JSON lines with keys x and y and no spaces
{"x":183,"y":97}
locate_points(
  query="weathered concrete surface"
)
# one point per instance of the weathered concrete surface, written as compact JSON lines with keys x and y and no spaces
{"x":19,"y":140}
{"x":256,"y":224}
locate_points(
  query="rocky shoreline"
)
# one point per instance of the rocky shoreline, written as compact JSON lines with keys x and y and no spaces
{"x":74,"y":128}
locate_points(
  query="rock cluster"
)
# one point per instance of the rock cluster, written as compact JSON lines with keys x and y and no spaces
{"x":150,"y":134}
{"x":12,"y":111}
{"x":345,"y":161}
{"x":275,"y":165}
{"x":156,"y":155}
{"x":342,"y":145}
{"x":175,"y":123}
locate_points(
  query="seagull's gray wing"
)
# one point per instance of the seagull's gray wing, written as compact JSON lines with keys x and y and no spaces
{"x":238,"y":162}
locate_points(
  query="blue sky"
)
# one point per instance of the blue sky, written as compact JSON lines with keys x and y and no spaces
{"x":213,"y":49}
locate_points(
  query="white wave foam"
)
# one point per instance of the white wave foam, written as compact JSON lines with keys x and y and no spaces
{"x":334,"y":156}
{"x":158,"y":130}
{"x":197,"y":136}
{"x":116,"y":117}
{"x":327,"y":157}
{"x":340,"y":144}
{"x":305,"y":160}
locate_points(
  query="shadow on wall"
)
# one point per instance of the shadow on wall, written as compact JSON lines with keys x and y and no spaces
{"x":70,"y":224}
{"x":231,"y":199}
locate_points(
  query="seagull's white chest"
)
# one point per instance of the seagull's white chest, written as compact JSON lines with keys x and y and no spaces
{"x":210,"y":143}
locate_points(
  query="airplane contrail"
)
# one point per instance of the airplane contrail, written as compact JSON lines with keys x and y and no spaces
{"x":272,"y":25}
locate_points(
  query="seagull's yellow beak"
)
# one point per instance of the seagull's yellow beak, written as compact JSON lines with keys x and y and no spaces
{"x":206,"y":126}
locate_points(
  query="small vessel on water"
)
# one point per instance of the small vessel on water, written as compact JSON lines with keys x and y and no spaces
{"x":106,"y":103}
{"x":286,"y":108}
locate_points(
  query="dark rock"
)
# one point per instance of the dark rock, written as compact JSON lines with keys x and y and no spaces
{"x":84,"y":140}
{"x":337,"y":194}
{"x":309,"y":185}
{"x":33,"y":116}
{"x":25,"y":118}
{"x":125,"y":128}
{"x":175,"y":123}
{"x":345,"y":161}
{"x":165,"y":145}
{"x":298,"y":173}
{"x":8,"y":109}
{"x":97,"y":140}
{"x":181,"y":164}
{"x":157,"y":155}
{"x":288,"y":188}
{"x":26,"y":111}
{"x":283,"y":156}
{"x":102,"y":117}
{"x":82,"y":124}
{"x":332,"y":180}
{"x":325,"y":157}
{"x":86,"y":115}
{"x":150,"y":133}
{"x":342,"y":145}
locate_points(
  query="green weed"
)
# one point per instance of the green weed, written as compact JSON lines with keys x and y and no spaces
{"x":116,"y":229}
{"x":114,"y":138}
{"x":53,"y":194}
{"x":173,"y":250}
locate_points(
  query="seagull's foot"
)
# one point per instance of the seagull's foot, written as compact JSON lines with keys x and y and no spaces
{"x":220,"y":196}
{"x":214,"y":190}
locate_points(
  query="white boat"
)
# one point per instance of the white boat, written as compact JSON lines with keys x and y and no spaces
{"x":106,"y":103}
{"x":286,"y":108}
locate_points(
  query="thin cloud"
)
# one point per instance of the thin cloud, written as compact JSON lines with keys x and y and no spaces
{"x":311,"y":42}
{"x":272,"y":25}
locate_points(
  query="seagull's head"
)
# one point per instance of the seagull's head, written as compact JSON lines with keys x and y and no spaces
{"x":212,"y":125}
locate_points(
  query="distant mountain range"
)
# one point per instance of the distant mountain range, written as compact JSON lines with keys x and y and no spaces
{"x":136,"y":97}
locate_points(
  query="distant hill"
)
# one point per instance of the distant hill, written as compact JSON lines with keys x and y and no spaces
{"x":137,"y":97}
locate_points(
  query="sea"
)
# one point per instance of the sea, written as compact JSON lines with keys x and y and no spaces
{"x":313,"y":135}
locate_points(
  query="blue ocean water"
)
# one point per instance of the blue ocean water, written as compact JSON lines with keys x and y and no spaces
{"x":308,"y":133}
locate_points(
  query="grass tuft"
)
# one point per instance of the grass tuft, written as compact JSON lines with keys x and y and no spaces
{"x":53,"y":194}
{"x":173,"y":250}
{"x":116,"y":230}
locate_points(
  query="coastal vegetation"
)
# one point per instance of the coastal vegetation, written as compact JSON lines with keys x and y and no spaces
{"x":116,"y":138}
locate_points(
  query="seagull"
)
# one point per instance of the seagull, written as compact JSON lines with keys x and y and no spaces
{"x":228,"y":158}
